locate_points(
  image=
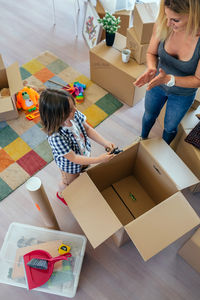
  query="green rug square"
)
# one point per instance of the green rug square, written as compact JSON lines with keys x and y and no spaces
{"x":57,"y":66}
{"x":44,"y":150}
{"x":109,"y":104}
{"x":5,"y":189}
{"x":24,"y":73}
{"x":7,"y":136}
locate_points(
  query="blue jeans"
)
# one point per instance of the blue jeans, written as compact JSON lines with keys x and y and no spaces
{"x":176,"y":108}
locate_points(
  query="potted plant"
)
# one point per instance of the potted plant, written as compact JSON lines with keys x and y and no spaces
{"x":111,"y":24}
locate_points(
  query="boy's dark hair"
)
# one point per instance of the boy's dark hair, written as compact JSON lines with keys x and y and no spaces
{"x":54,"y":107}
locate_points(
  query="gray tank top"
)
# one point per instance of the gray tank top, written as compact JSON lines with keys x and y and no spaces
{"x":176,"y":67}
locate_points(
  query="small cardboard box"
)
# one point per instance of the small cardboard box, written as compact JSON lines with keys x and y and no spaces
{"x":9,"y":78}
{"x":138,"y":51}
{"x":144,"y":17}
{"x":138,"y":191}
{"x":190,"y":251}
{"x":125,"y":16}
{"x":108,"y":70}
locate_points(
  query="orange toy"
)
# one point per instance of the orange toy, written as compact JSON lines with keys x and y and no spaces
{"x":27,"y":99}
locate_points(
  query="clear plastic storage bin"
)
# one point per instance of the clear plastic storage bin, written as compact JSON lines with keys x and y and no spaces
{"x":65,"y":277}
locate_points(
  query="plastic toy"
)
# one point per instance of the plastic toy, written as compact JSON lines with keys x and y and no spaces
{"x":33,"y":115}
{"x":76,"y":89}
{"x":63,"y":249}
{"x":27,"y":99}
{"x":114,"y":151}
{"x":37,"y":276}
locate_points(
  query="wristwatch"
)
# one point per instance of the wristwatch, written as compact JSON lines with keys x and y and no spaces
{"x":171,"y":82}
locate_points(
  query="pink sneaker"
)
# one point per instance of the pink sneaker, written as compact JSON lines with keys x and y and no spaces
{"x":61,"y":199}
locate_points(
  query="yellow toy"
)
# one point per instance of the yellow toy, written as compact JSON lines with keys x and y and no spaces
{"x":27,"y":99}
{"x":63,"y":249}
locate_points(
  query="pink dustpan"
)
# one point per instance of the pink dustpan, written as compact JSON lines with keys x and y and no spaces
{"x":37,"y":277}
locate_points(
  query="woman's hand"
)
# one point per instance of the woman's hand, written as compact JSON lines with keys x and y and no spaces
{"x":161,"y":78}
{"x":146,"y":77}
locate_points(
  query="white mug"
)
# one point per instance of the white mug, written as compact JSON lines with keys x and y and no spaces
{"x":126,"y":55}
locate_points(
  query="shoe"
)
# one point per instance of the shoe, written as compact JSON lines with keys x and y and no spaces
{"x":61,"y":199}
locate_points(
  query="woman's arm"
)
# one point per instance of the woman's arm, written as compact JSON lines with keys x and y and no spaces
{"x":189,"y":81}
{"x":192,"y":81}
{"x":95,"y":136}
{"x":152,"y":60}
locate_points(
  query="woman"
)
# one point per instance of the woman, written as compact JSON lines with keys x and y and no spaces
{"x":173,"y":66}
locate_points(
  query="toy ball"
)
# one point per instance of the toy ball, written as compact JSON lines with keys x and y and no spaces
{"x":27,"y":99}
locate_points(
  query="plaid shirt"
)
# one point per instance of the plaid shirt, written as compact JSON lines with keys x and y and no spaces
{"x":63,"y":141}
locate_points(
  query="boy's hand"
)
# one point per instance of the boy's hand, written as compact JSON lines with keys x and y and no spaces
{"x":109,"y":146}
{"x":105,"y":157}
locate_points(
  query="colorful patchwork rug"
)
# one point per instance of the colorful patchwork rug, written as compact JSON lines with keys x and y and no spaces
{"x":24,"y":149}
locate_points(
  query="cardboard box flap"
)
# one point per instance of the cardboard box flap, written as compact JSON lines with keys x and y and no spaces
{"x":190,"y":120}
{"x":99,"y":8}
{"x":1,"y":63}
{"x":90,"y":209}
{"x":162,"y":225}
{"x":14,"y":78}
{"x":170,"y":163}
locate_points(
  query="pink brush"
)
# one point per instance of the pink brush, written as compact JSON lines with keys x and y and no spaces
{"x":39,"y":266}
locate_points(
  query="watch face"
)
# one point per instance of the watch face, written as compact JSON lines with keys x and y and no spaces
{"x":171,"y":82}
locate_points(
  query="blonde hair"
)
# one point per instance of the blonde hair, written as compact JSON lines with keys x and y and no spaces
{"x":182,"y":7}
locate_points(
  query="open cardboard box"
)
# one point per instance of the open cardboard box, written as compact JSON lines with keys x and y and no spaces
{"x":9,"y":78}
{"x":137,"y":192}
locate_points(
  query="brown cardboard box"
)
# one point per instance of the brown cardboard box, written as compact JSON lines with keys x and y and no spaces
{"x":108,"y":70}
{"x":196,"y":103}
{"x":187,"y":152}
{"x":190,"y":251}
{"x":144,"y":17}
{"x":146,"y":180}
{"x":188,"y":122}
{"x":138,"y":51}
{"x":125,"y":16}
{"x":9,"y":78}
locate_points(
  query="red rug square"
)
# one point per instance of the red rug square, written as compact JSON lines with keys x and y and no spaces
{"x":31,"y":162}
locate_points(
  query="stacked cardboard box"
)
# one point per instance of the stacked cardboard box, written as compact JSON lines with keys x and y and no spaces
{"x":196,"y":103}
{"x":11,"y":83}
{"x":125,"y":17}
{"x":187,"y":152}
{"x":138,"y":37}
{"x":137,"y":192}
